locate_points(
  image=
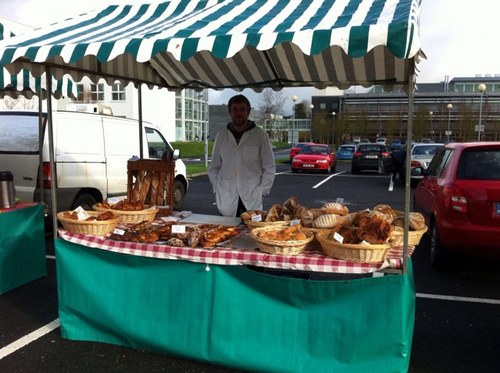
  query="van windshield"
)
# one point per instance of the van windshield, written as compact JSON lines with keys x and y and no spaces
{"x":19,"y":133}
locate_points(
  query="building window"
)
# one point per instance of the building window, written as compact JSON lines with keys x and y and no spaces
{"x":117,"y":92}
{"x":90,"y":93}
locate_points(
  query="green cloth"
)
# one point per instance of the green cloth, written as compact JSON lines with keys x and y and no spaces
{"x":22,"y":247}
{"x":234,"y":316}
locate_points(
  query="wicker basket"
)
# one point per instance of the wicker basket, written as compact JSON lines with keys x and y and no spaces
{"x":281,"y":247}
{"x":259,"y":224}
{"x":361,"y":253}
{"x":397,"y":237}
{"x":94,"y":227}
{"x":132,"y":217}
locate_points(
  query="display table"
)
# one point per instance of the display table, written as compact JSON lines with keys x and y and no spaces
{"x":22,"y":245}
{"x":231,"y":315}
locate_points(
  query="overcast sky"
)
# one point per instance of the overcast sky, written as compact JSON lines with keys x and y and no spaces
{"x":458,"y":37}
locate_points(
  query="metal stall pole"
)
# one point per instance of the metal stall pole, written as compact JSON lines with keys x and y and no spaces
{"x":50,"y":134}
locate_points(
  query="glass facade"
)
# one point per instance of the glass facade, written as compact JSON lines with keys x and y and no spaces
{"x":191,"y":109}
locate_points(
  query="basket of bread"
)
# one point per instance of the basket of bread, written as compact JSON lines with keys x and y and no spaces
{"x":90,"y":222}
{"x":128,"y":211}
{"x":416,"y":228}
{"x":284,"y":240}
{"x":368,"y":236}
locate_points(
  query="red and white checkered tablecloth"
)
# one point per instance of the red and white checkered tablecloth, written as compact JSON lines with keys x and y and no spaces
{"x":312,"y":260}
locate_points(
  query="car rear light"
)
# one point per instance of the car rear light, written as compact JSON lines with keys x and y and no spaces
{"x":384,"y":154}
{"x":46,"y":176}
{"x":357,"y":154}
{"x":414,"y":164}
{"x":454,"y":198}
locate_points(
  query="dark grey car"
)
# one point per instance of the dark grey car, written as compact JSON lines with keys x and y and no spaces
{"x":374,"y":157}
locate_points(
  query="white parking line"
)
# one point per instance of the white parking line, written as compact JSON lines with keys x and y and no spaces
{"x":328,"y":178}
{"x":27,"y":339}
{"x":458,"y":299}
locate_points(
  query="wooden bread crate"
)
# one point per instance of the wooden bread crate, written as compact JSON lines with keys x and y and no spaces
{"x":151,"y":181}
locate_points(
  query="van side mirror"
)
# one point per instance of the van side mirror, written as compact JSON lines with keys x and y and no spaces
{"x":176,"y":154}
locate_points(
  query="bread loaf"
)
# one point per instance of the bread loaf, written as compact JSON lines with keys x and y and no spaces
{"x":327,"y":221}
{"x":335,"y":208}
{"x":274,"y":213}
{"x":417,"y":221}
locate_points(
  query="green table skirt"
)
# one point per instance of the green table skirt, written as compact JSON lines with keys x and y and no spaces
{"x":234,"y":316}
{"x":22,"y":247}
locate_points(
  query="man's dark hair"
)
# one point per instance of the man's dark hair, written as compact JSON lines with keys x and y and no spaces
{"x":237,"y":100}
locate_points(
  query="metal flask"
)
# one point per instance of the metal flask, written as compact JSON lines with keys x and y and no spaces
{"x":7,"y":192}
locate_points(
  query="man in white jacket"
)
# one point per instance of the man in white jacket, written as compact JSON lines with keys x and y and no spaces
{"x":242,"y":168}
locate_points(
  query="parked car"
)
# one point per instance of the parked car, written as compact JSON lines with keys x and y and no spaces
{"x":375,"y":157}
{"x":346,"y":151}
{"x":296,"y":149}
{"x":397,"y":144}
{"x":421,"y":156}
{"x":315,"y":157}
{"x":381,"y":140}
{"x":459,"y":197}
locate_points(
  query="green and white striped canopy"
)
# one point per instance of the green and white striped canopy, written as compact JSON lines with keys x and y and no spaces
{"x":230,"y":44}
{"x":25,"y":84}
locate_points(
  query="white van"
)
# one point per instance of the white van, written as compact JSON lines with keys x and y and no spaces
{"x":91,"y":154}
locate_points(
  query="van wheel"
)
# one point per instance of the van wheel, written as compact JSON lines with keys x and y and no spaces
{"x":438,"y":253}
{"x":84,"y":200}
{"x":179,"y":194}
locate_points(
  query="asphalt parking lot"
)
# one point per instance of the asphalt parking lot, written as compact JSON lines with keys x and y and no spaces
{"x":457,"y":320}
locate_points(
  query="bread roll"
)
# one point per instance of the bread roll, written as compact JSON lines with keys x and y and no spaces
{"x":334,"y":208}
{"x":327,"y":221}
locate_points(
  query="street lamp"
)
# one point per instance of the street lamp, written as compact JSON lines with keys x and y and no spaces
{"x":448,"y":133}
{"x":294,"y":99}
{"x":333,"y":127}
{"x":481,"y":88}
{"x":432,"y":125}
{"x":311,"y":107}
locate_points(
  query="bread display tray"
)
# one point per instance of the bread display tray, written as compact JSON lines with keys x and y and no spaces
{"x":360,"y":253}
{"x":414,"y":237}
{"x":93,"y":227}
{"x":281,"y":247}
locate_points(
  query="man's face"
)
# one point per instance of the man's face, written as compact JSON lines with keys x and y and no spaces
{"x":239,"y":114}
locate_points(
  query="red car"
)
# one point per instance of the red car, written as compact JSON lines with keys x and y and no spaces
{"x":315,"y":157}
{"x":460,"y":199}
{"x":296,"y":149}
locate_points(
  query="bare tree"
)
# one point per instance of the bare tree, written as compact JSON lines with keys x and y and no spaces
{"x":271,"y":105}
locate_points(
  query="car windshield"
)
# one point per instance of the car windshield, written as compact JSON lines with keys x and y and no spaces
{"x":425,"y":149}
{"x":369,"y":148}
{"x":479,"y":165}
{"x":347,"y":149}
{"x":314,"y":149}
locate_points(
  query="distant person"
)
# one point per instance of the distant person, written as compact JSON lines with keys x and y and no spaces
{"x":242,"y":168}
{"x":398,"y":163}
